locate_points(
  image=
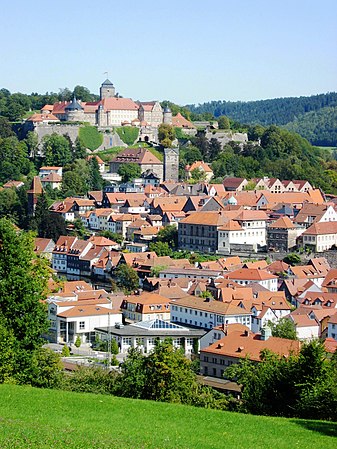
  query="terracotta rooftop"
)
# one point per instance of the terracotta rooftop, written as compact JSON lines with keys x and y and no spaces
{"x":240,"y":345}
{"x":282,"y":223}
{"x":250,"y":274}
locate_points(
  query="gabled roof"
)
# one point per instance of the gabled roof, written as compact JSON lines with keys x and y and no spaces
{"x":206,"y":218}
{"x":199,"y":165}
{"x":101,"y":241}
{"x":330,"y":280}
{"x":326,"y":227}
{"x":52,"y":177}
{"x":119,"y":104}
{"x":231,"y":225}
{"x":137,"y":156}
{"x":247,"y":344}
{"x":251,"y":215}
{"x":181,"y":122}
{"x":87,"y":310}
{"x":278,"y":266}
{"x":282,"y":223}
{"x":233,"y":183}
{"x":251,"y":274}
{"x":212,"y":306}
{"x":42,"y":118}
{"x":36,"y":186}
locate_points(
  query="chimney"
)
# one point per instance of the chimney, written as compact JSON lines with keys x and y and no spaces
{"x":225,"y":328}
{"x":265,"y":333}
{"x":246,"y":333}
{"x":240,"y":349}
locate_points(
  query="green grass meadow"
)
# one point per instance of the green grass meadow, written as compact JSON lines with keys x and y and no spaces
{"x":33,"y":418}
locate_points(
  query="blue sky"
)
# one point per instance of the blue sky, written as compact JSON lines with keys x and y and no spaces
{"x":187,"y":51}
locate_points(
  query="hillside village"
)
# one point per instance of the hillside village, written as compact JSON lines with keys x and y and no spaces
{"x":167,"y":248}
{"x":239,"y":229}
{"x":222,"y":308}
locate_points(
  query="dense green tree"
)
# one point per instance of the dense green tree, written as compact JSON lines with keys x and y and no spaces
{"x":203,"y":144}
{"x":47,"y":224}
{"x":83,"y":93}
{"x":175,"y":109}
{"x":73,"y":184}
{"x":255,"y":132}
{"x":8,"y":350}
{"x":160,"y":248}
{"x":23,"y":281}
{"x":5,"y":128}
{"x":65,"y":94}
{"x":190,"y":154}
{"x":127,"y":278}
{"x":32,"y":142}
{"x":80,"y":151}
{"x":133,"y":380}
{"x":14,"y":160}
{"x":114,"y":347}
{"x":292,"y":259}
{"x":197,"y":175}
{"x":166,"y":135}
{"x":165,"y":375}
{"x":95,"y":178}
{"x":214,"y":149}
{"x":284,"y":328}
{"x":56,"y":150}
{"x":9,"y":203}
{"x":79,"y":230}
{"x":223,"y":122}
{"x":169,"y":375}
{"x":289,"y":386}
{"x":53,"y":226}
{"x":169,"y":234}
{"x":129,"y":171}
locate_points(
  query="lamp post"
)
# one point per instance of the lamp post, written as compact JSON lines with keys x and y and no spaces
{"x":109,"y":339}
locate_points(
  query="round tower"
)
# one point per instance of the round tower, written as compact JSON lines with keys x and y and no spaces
{"x":167,"y":116}
{"x":74,"y":111}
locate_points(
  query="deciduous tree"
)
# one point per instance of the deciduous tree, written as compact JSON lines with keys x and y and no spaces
{"x":127,"y":278}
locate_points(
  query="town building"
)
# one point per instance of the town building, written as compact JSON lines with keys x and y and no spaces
{"x":207,"y":313}
{"x":239,"y":345}
{"x":143,"y":335}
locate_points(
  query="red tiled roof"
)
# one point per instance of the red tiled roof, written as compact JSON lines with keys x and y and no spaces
{"x":240,"y":345}
{"x":251,"y":274}
{"x":283,"y":223}
{"x":117,"y":104}
{"x":181,"y":122}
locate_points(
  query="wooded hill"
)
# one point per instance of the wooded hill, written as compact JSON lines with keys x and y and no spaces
{"x":312,"y":117}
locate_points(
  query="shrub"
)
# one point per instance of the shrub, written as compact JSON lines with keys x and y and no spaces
{"x":65,"y":351}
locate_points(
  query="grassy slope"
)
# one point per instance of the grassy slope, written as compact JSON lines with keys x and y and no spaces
{"x":32,"y":418}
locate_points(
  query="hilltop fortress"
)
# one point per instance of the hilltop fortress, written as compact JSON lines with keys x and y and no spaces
{"x":109,"y":111}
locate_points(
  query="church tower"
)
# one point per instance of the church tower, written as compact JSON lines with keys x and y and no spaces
{"x":107,"y":90}
{"x":171,"y":164}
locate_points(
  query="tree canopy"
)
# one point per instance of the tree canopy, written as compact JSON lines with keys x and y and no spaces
{"x":129,"y":171}
{"x":166,"y":135}
{"x":127,"y":278}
